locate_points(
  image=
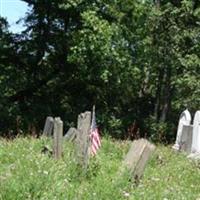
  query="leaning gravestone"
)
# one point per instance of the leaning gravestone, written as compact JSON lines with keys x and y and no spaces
{"x":82,"y":138}
{"x":71,"y":134}
{"x":137,"y":157}
{"x":196,"y":134}
{"x":48,"y":127}
{"x":185,"y":119}
{"x":186,"y":138}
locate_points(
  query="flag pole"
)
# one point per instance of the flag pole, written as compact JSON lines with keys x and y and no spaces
{"x":93,"y":111}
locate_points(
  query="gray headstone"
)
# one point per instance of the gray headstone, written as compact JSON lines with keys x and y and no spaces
{"x":48,"y":127}
{"x":82,"y":139}
{"x":186,"y":138}
{"x":57,"y":138}
{"x":71,"y":134}
{"x":137,"y":157}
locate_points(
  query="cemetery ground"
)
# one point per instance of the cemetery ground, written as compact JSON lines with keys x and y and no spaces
{"x":27,"y":171}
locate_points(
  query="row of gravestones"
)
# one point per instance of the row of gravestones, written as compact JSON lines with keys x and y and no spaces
{"x":188,"y":135}
{"x":49,"y":126}
{"x":54,"y":127}
{"x":135,"y":160}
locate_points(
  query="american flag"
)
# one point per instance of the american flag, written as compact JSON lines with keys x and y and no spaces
{"x":94,"y":135}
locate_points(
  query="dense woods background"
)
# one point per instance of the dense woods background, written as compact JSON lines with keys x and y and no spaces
{"x":137,"y":61}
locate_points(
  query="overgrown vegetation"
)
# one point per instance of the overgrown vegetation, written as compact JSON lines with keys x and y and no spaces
{"x":26,"y":173}
{"x":138,"y":61}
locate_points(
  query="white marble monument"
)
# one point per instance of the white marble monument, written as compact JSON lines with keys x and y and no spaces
{"x":185,"y":119}
{"x":196,"y":134}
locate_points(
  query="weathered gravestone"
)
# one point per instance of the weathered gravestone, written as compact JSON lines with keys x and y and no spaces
{"x":185,"y":119}
{"x":48,"y":127}
{"x":186,"y":138}
{"x":196,"y":134}
{"x":57,"y":138}
{"x":137,"y":157}
{"x":71,"y":134}
{"x":82,"y":138}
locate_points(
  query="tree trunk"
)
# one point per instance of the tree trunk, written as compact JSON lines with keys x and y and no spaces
{"x":166,"y":95}
{"x":158,"y":95}
{"x":145,"y":84}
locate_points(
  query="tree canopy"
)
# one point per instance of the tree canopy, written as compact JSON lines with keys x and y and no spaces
{"x":137,"y":61}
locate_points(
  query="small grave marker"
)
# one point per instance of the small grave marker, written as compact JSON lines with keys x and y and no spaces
{"x":82,"y":139}
{"x":48,"y":127}
{"x":57,"y":138}
{"x":137,"y":157}
{"x":186,"y":138}
{"x":71,"y":134}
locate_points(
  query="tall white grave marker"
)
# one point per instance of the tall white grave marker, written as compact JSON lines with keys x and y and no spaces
{"x":196,"y":133}
{"x":185,"y":119}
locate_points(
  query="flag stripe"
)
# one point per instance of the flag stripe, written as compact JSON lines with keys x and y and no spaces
{"x":94,"y":135}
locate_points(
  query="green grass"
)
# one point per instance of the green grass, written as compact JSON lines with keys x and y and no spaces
{"x":26,"y":173}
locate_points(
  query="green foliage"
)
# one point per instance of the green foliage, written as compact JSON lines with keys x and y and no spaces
{"x":136,"y":60}
{"x":161,"y":132}
{"x":26,"y":173}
